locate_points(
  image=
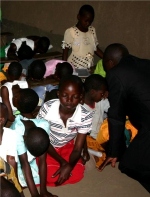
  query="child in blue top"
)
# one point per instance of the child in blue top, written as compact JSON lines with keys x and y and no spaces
{"x":26,"y":101}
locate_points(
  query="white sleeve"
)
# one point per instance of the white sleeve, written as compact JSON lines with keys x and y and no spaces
{"x":68,"y":39}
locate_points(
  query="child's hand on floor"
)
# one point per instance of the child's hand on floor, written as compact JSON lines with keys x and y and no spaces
{"x":47,"y":194}
{"x":64,"y":173}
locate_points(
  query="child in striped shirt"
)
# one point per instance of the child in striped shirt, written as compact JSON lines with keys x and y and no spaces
{"x":69,"y":124}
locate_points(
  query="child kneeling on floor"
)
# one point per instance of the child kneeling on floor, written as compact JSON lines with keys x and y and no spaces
{"x":29,"y":174}
{"x":69,"y":124}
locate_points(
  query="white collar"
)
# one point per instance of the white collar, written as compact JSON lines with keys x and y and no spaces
{"x":53,"y":113}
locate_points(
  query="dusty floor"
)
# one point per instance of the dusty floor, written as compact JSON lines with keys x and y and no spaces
{"x":109,"y":183}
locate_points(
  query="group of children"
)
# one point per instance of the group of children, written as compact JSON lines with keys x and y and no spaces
{"x":54,"y":116}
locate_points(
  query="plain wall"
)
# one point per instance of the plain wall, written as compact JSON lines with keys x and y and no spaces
{"x":126,"y":22}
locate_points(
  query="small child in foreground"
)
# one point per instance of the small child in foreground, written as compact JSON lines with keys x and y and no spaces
{"x":26,"y":100}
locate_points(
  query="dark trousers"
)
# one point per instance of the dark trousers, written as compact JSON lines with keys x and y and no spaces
{"x":135,"y":162}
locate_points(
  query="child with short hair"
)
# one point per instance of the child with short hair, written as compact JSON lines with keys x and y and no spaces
{"x":51,"y":66}
{"x":25,"y":55}
{"x":62,"y":70}
{"x":82,"y":39}
{"x":95,"y":89}
{"x":69,"y":123}
{"x":95,"y":93}
{"x":29,"y":175}
{"x":95,"y":100}
{"x":36,"y":73}
{"x":14,"y":74}
{"x":25,"y":58}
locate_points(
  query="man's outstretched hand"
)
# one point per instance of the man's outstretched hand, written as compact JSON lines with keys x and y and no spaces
{"x":109,"y":160}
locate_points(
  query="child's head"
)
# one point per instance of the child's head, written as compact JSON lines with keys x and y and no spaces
{"x":25,"y":52}
{"x":26,"y":100}
{"x":36,"y":140}
{"x":14,"y":71}
{"x":70,"y":92}
{"x":95,"y":87}
{"x":43,"y":44}
{"x":63,"y":69}
{"x":8,"y":189}
{"x":3,"y":114}
{"x":85,"y":17}
{"x":36,"y":70}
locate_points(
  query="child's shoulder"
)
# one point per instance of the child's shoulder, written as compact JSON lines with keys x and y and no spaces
{"x":51,"y":102}
{"x":84,"y":110}
{"x":91,"y":30}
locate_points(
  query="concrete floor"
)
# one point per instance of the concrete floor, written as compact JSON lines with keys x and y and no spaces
{"x":108,"y":183}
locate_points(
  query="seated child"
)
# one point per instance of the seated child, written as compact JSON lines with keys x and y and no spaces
{"x":51,"y":66}
{"x":36,"y":43}
{"x":95,"y":89}
{"x":8,"y":149}
{"x":37,"y":82}
{"x":36,"y":73}
{"x":25,"y":58}
{"x":25,"y":55}
{"x":69,"y":123}
{"x":26,"y":100}
{"x":14,"y":73}
{"x":62,"y":70}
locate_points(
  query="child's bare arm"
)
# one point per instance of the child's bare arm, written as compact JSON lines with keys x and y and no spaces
{"x":65,"y":54}
{"x":5,"y":100}
{"x":12,"y":162}
{"x":43,"y":177}
{"x":99,"y":52}
{"x":65,"y":170}
{"x":28,"y":175}
{"x":52,"y":152}
{"x":76,"y":153}
{"x":85,"y":156}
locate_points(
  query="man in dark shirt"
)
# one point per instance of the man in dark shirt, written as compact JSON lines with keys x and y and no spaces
{"x":128,"y":80}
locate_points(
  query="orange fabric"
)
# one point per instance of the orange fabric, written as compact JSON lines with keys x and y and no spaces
{"x":103,"y":137}
{"x":2,"y":76}
{"x":93,"y":144}
{"x":133,"y":130}
{"x":103,"y":134}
